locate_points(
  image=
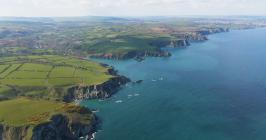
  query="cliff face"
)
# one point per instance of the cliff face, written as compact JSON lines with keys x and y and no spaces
{"x":63,"y":128}
{"x":13,"y":133}
{"x":99,"y":91}
{"x":182,"y":43}
{"x":132,"y":54}
{"x":212,"y":31}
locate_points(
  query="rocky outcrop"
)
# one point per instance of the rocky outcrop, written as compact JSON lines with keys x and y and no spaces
{"x":196,"y":37}
{"x":182,"y":43}
{"x":13,"y":133}
{"x":63,"y":128}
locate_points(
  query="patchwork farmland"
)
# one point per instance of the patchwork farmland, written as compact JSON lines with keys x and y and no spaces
{"x":38,"y":75}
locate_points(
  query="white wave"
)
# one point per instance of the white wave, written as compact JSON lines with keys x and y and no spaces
{"x":136,"y":94}
{"x":118,"y":101}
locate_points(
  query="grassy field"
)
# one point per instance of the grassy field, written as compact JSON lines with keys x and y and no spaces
{"x":8,"y":71}
{"x":3,"y":89}
{"x":62,"y":72}
{"x":23,"y":111}
{"x":48,"y":71}
{"x":35,"y":67}
{"x":3,"y":67}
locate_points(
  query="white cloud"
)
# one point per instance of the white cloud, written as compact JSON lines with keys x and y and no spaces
{"x":130,"y":7}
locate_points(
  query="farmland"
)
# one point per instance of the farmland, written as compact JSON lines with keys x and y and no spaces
{"x":36,"y":74}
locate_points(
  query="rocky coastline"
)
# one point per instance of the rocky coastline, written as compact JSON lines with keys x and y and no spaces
{"x":100,"y":91}
{"x":184,"y":40}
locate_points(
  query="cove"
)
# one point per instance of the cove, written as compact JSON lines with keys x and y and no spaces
{"x":215,"y":90}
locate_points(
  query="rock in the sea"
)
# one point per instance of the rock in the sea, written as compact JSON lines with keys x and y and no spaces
{"x":138,"y":81}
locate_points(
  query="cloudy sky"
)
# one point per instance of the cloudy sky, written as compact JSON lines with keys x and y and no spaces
{"x":131,"y":7}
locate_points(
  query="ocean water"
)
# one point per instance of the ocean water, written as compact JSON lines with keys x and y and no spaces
{"x":214,"y":90}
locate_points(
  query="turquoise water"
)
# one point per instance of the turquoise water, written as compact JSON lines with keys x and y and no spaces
{"x":214,"y":90}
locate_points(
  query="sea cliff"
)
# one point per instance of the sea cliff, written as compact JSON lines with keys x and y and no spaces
{"x":100,"y":91}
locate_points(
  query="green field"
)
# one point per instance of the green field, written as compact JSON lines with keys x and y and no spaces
{"x":21,"y":111}
{"x":26,"y":74}
{"x":62,"y":72}
{"x":3,"y":89}
{"x":3,"y":67}
{"x":8,"y":71}
{"x":35,"y":67}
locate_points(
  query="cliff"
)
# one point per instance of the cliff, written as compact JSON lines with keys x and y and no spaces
{"x":209,"y":31}
{"x":14,"y":133}
{"x":64,"y":128}
{"x":181,"y":43}
{"x":132,"y":54}
{"x":100,"y":91}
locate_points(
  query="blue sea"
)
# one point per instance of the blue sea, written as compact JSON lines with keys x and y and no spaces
{"x":214,"y":90}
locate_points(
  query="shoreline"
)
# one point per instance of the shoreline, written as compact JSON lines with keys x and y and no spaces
{"x":94,"y":137}
{"x":183,"y":42}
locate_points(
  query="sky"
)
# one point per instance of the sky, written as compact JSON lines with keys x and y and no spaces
{"x":62,"y":8}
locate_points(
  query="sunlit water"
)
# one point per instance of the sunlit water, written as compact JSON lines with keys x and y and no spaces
{"x":214,"y":90}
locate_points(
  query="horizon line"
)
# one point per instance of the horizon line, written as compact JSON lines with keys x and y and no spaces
{"x":246,"y":15}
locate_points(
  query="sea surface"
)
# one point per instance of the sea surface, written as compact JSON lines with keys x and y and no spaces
{"x":215,"y":90}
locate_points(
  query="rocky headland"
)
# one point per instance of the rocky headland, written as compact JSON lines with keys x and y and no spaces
{"x":57,"y":116}
{"x":184,"y":39}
